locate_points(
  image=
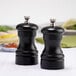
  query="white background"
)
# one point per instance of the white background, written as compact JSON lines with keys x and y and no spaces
{"x":13,"y":11}
{"x":9,"y":68}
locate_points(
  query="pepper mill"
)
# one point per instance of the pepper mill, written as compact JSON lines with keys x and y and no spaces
{"x":26,"y":53}
{"x":52,"y":56}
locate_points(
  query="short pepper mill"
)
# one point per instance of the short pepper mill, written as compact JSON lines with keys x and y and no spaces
{"x":26,"y":53}
{"x":52,"y":56}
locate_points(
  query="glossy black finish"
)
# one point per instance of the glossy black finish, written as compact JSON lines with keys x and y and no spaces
{"x":26,"y":53}
{"x":52,"y":56}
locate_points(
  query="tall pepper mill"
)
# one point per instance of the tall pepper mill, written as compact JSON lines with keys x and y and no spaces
{"x":26,"y":53}
{"x":52,"y":56}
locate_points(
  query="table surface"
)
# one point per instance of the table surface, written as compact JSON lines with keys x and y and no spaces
{"x":9,"y":68}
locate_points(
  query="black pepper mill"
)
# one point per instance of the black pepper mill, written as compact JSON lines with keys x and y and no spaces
{"x":26,"y":53}
{"x":52,"y":56}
